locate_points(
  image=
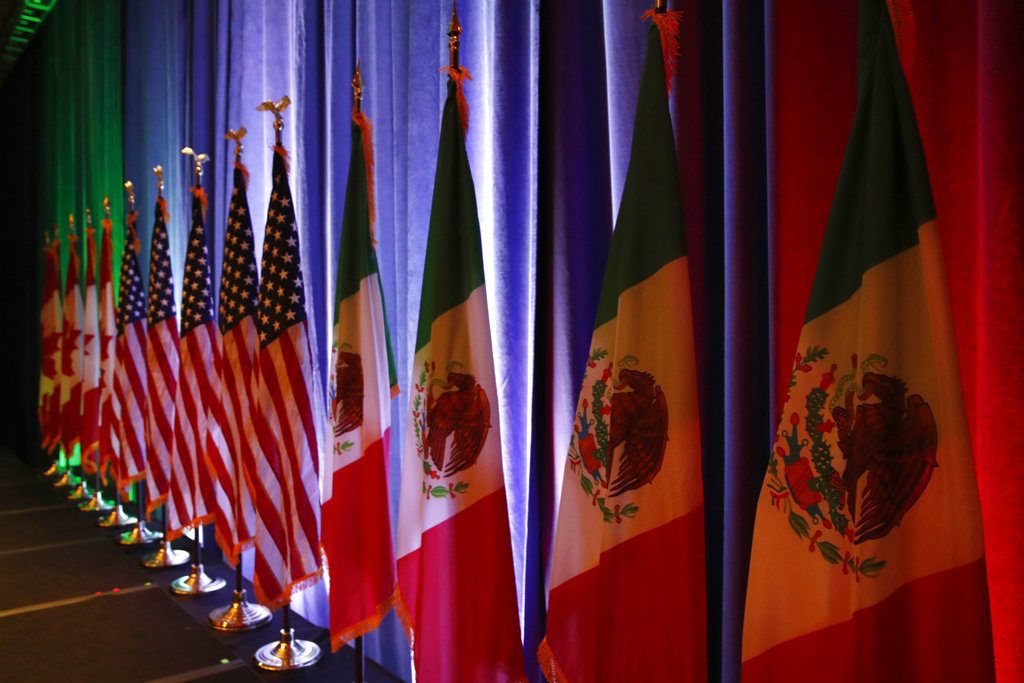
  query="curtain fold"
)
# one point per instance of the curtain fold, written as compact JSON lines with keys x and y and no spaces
{"x":762,"y":107}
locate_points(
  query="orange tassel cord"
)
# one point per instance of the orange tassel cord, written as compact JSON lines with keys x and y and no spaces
{"x":667,"y":24}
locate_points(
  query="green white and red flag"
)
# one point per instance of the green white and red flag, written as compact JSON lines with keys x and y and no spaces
{"x":868,"y":562}
{"x":456,"y":579}
{"x":50,"y":319}
{"x":356,"y":519}
{"x":90,"y":357}
{"x":71,"y":349}
{"x":627,"y":596}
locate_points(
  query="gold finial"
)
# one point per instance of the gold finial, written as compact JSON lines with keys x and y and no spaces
{"x":357,"y":88}
{"x":237,"y":136}
{"x":129,"y":187}
{"x":454,"y":31}
{"x":276,"y":108}
{"x":88,"y":218}
{"x":106,"y":208}
{"x":197,"y":163}
{"x":660,"y":6}
{"x":158,"y":171}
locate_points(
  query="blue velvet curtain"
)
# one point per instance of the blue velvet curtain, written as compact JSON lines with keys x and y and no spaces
{"x":551,"y":100}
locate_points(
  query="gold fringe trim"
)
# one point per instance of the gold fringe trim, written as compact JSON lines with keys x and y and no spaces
{"x":153,"y":505}
{"x":366,"y":133}
{"x":459,"y":75}
{"x":548,"y":664}
{"x":288,"y":591}
{"x":395,"y":391}
{"x":126,"y":482}
{"x":405,"y":616}
{"x":338,"y":640}
{"x":279,"y":149}
{"x":200,"y":194}
{"x":245,"y":171}
{"x":162,"y":203}
{"x":668,"y":29}
{"x":108,"y":226}
{"x":195,"y":523}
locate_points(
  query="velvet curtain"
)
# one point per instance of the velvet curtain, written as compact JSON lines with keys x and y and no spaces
{"x":762,"y":108}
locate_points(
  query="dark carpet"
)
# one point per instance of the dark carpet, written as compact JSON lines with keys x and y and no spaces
{"x":76,"y":606}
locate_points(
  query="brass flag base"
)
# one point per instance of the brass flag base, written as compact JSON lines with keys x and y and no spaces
{"x":81,"y":491}
{"x":117,"y":517}
{"x":95,"y":504}
{"x":52,"y":470}
{"x":140,"y":535}
{"x":287,"y":653}
{"x":197,"y":582}
{"x":62,"y":481}
{"x":165,"y":556}
{"x":240,"y":615}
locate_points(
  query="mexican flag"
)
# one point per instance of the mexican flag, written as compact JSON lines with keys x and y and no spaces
{"x":867,"y":561}
{"x":455,"y":574}
{"x":627,"y":595}
{"x":356,"y":518}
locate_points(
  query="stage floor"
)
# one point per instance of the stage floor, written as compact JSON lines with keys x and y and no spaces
{"x":74,"y":605}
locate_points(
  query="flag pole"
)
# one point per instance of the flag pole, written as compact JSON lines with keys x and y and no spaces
{"x":454,"y":31}
{"x":165,"y":555}
{"x":239,"y":614}
{"x":96,"y":502}
{"x":288,"y":652}
{"x":197,"y":581}
{"x":81,"y":491}
{"x":118,"y":517}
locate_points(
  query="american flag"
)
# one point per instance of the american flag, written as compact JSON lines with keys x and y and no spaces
{"x":239,"y":292}
{"x":110,"y":410}
{"x":71,"y":350}
{"x":90,"y":358}
{"x":50,"y":317}
{"x":130,"y":368}
{"x":196,"y":498}
{"x":161,"y":362}
{"x":288,"y":436}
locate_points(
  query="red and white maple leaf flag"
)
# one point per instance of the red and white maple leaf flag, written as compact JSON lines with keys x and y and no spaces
{"x":197,"y":496}
{"x":288,"y":548}
{"x":239,"y":297}
{"x":110,"y":410}
{"x":50,"y":322}
{"x":129,"y":400}
{"x":71,"y":349}
{"x":356,"y":519}
{"x":457,"y":590}
{"x":91,"y":358}
{"x":162,"y":361}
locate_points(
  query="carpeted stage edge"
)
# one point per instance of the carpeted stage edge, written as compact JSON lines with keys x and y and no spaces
{"x":76,"y":606}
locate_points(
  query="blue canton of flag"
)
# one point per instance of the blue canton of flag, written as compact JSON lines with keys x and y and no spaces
{"x":239,"y":286}
{"x":197,"y":292}
{"x":282,"y":295}
{"x":133,"y":300}
{"x":161,"y":280}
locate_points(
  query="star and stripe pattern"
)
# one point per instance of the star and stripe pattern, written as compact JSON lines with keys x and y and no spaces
{"x":130,"y":368}
{"x":162,"y":360}
{"x":239,"y":298}
{"x":289,"y":443}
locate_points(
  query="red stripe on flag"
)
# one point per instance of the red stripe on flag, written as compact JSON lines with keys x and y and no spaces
{"x":358,"y":545}
{"x":931,"y":629}
{"x":614,"y":622}
{"x":457,"y":592}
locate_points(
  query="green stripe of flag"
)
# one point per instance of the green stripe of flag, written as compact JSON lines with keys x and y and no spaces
{"x":649,"y":229}
{"x":883,"y":195}
{"x":454,"y":264}
{"x":357,"y":257}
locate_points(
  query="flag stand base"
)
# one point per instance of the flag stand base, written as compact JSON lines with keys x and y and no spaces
{"x":289,"y":652}
{"x":197,"y":582}
{"x":96,"y":504}
{"x":240,"y":615}
{"x":81,"y":491}
{"x":62,"y":481}
{"x":52,"y":471}
{"x":117,"y":518}
{"x":165,"y":556}
{"x":140,"y":535}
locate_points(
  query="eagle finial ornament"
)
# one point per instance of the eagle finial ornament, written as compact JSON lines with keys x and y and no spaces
{"x":237,"y":136}
{"x":198,"y":161}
